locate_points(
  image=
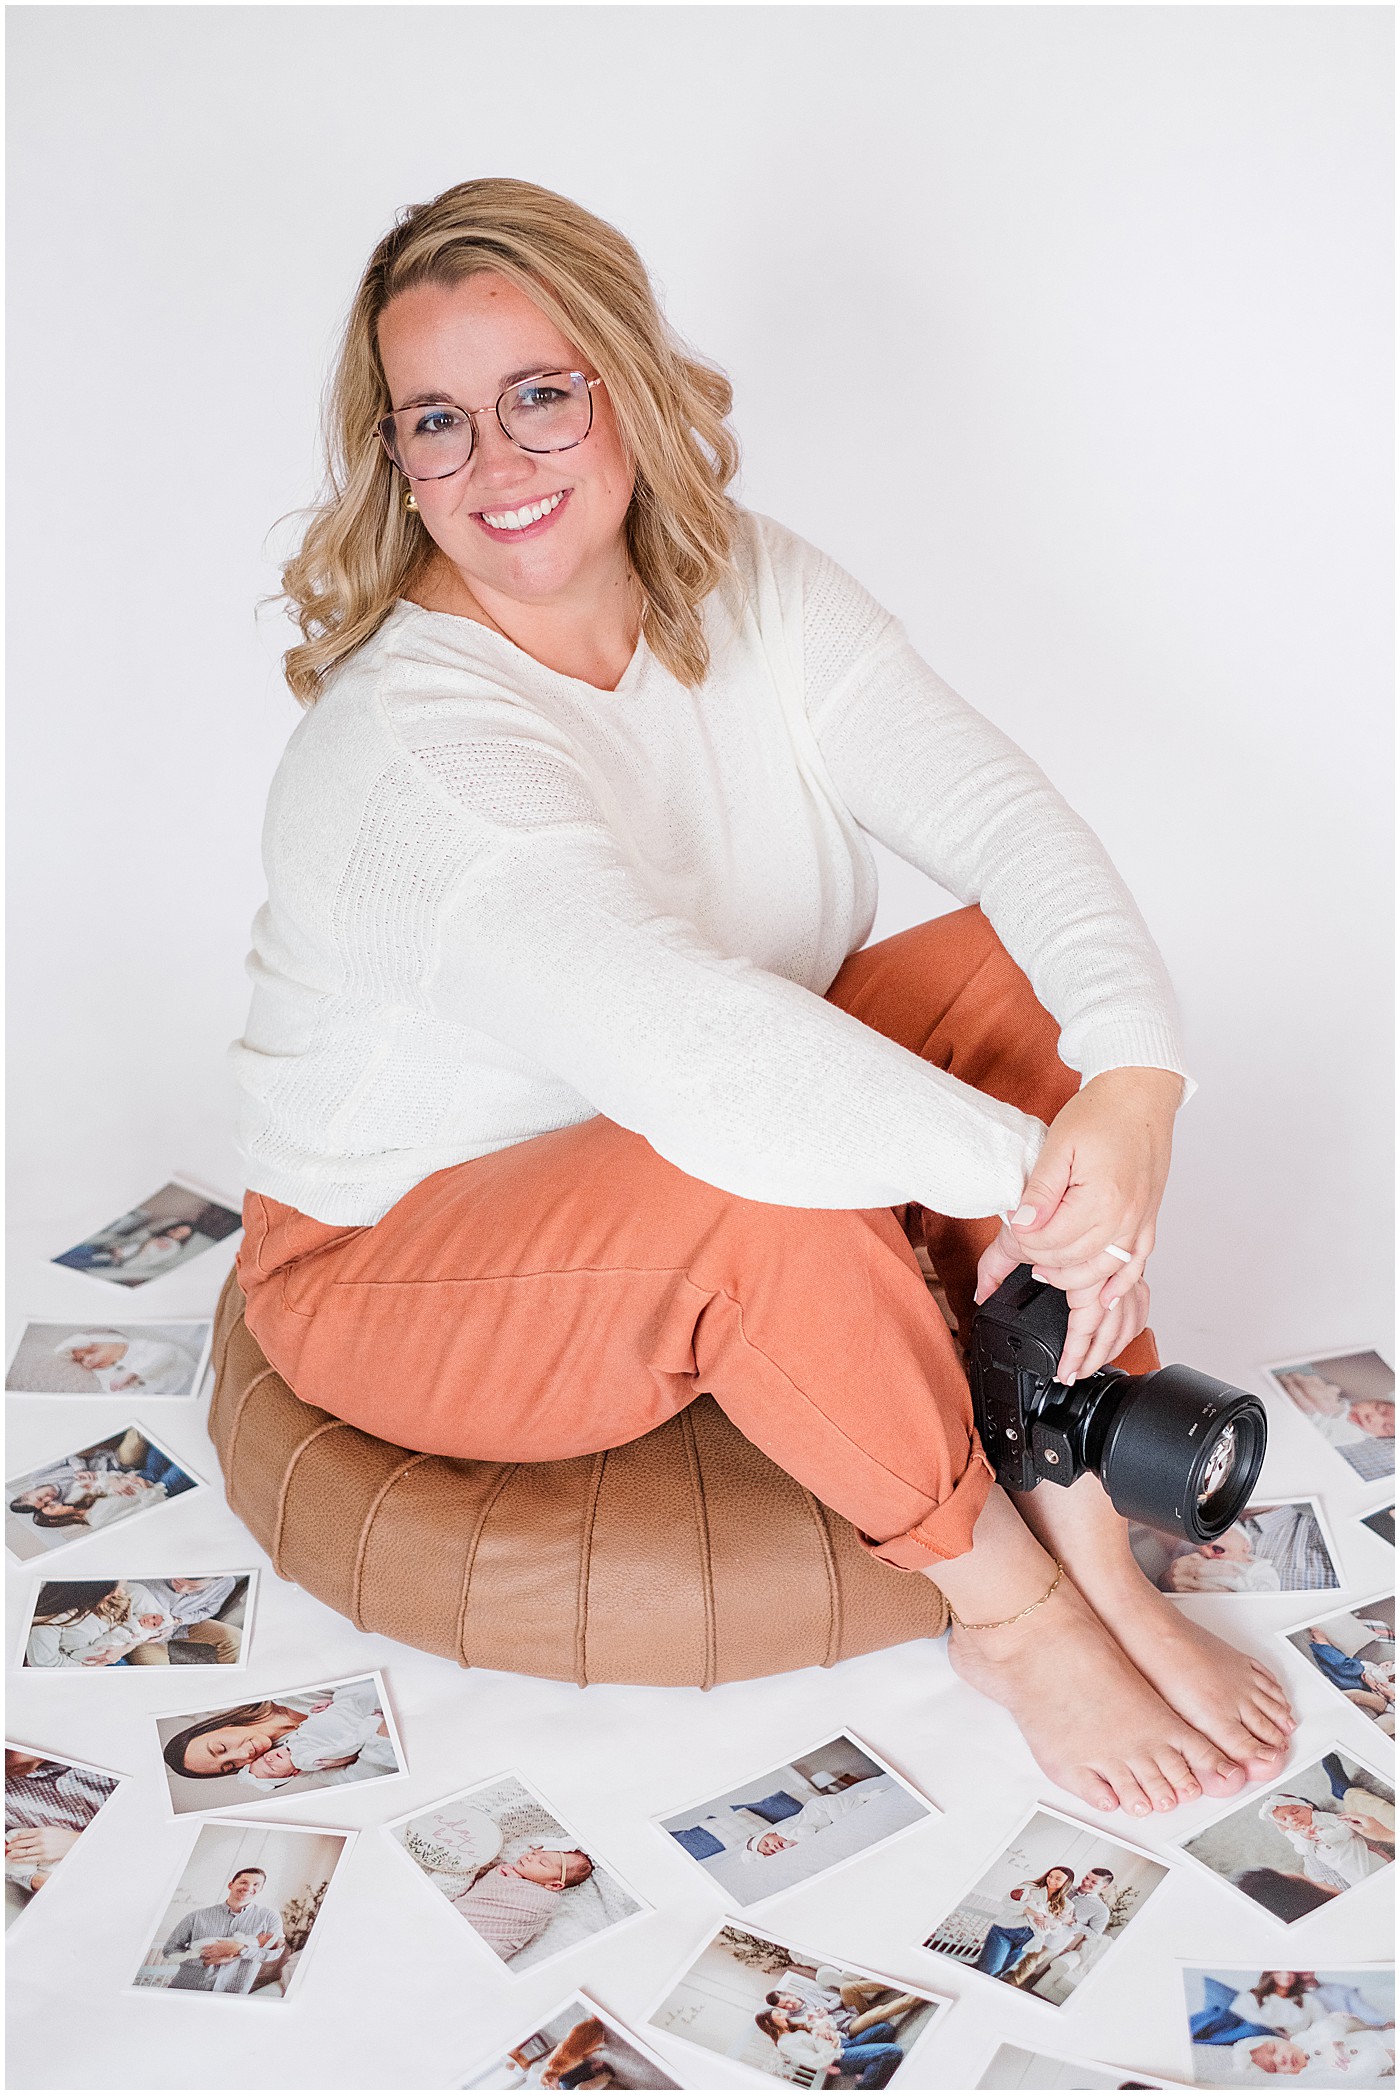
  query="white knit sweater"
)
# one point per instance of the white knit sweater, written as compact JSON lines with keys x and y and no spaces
{"x":501,"y":900}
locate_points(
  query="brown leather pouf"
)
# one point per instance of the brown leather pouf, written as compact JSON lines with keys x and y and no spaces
{"x":684,"y":1558}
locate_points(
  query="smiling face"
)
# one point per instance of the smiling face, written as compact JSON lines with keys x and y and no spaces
{"x":465,"y":343}
{"x":228,"y":1747}
{"x":244,"y":1886}
{"x":1057,"y":1879}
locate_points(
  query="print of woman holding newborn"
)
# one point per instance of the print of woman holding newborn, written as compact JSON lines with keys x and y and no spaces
{"x":338,"y":1734}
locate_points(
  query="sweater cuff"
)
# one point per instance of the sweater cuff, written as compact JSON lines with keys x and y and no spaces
{"x":1130,"y":1044}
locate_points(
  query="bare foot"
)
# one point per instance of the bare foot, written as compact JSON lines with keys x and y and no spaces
{"x":1232,"y":1698}
{"x":1093,"y":1723}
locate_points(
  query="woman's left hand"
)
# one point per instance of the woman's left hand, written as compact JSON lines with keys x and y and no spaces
{"x":1098,"y":1180}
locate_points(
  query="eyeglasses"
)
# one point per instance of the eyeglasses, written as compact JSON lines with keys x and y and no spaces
{"x":552,"y":411}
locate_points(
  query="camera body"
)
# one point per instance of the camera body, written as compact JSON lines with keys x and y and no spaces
{"x":1176,"y":1449}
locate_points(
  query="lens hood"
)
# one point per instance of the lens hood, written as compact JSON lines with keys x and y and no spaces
{"x":1162,"y":1447}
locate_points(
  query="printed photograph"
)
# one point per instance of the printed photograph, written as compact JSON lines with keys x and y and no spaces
{"x":94,"y":1360}
{"x":793,"y":1823}
{"x":1325,"y":2029}
{"x":169,"y":1229}
{"x":50,"y":1801}
{"x":1348,"y":1398}
{"x":1355,"y":1654}
{"x":1270,"y":1549}
{"x":87,"y":1624}
{"x":1011,"y":2067}
{"x":242,"y":1917}
{"x":757,"y":2002}
{"x":580,"y":2046}
{"x":519,"y":1877}
{"x":1047,"y":1912}
{"x":308,"y":1739}
{"x":1312,"y":1838}
{"x":1381,"y":1523}
{"x":64,"y":1500}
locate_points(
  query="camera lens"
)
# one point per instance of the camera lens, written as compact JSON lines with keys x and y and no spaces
{"x":1181,"y":1451}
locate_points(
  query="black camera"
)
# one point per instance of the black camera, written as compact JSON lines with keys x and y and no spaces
{"x":1176,"y":1448}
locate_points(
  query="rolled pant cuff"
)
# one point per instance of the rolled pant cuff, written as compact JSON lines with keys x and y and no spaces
{"x":945,"y":1531}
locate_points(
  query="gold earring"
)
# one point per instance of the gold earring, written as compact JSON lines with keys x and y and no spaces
{"x":410,"y":500}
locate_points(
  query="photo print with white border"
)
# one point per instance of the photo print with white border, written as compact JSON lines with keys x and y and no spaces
{"x":575,"y":2045}
{"x":50,"y":1801}
{"x":1354,"y":1652}
{"x":1045,"y":1914}
{"x":95,"y":1360}
{"x":72,"y":1496}
{"x":1319,"y":2029}
{"x":1381,"y":1523}
{"x":1010,"y":2066}
{"x":504,"y":1860}
{"x":755,"y":2000}
{"x":101,"y":1625}
{"x":285,"y":1745}
{"x":240,"y":1920}
{"x":1277,"y":1546}
{"x":1349,"y":1399}
{"x":166,"y":1230}
{"x":1307,"y":1839}
{"x":792,"y":1823}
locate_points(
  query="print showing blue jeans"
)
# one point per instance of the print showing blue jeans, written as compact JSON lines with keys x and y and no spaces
{"x":874,"y":2054}
{"x":159,"y":1469}
{"x":1218,"y":2023}
{"x":1002,"y":1947}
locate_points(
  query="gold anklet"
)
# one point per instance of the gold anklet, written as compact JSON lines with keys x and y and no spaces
{"x":1007,"y":1619}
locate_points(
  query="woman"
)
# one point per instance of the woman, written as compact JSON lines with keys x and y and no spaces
{"x":81,"y":1622}
{"x":232,"y":1740}
{"x":569,"y":1091}
{"x":1030,"y":1915}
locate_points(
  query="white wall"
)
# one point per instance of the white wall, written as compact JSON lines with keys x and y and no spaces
{"x":1137,"y":261}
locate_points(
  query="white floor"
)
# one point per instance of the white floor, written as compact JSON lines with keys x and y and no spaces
{"x":394,"y":1996}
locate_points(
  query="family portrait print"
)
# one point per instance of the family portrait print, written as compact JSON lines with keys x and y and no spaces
{"x":1349,"y":1399}
{"x":1010,"y":2066}
{"x":1047,"y":1912}
{"x":94,"y":1360}
{"x":242,"y":1917}
{"x":94,"y":1625}
{"x":525,"y":1884}
{"x":755,"y":2000}
{"x":1354,"y":1652}
{"x":285,"y":1745}
{"x":150,"y":1240}
{"x":1270,"y":1549}
{"x":1310,"y":1838}
{"x":1327,"y":2029}
{"x":50,"y":1801}
{"x":791,"y":1824}
{"x":73,"y":1496}
{"x":579,"y":2046}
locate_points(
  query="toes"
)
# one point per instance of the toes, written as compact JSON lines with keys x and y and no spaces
{"x":1267,"y":1690}
{"x":1218,"y":1775}
{"x":1155,"y":1786}
{"x":1132,"y":1797}
{"x":1093,"y":1788}
{"x":1177,"y":1769}
{"x":1263,"y":1722}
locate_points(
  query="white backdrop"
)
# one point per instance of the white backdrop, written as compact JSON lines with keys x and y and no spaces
{"x":1138,"y":261}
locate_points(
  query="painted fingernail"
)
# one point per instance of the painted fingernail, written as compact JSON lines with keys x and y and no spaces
{"x":1036,"y":1274}
{"x":1113,"y":1302}
{"x":1022,"y":1216}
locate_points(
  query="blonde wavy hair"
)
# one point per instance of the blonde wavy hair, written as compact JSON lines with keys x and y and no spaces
{"x":361,"y":546}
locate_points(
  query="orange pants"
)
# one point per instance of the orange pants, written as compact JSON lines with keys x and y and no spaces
{"x":570,"y":1292}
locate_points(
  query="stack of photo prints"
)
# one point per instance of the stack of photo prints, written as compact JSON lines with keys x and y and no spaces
{"x":757,"y":1999}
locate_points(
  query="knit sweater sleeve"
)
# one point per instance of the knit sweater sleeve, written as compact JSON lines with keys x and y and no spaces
{"x":551,"y":942}
{"x":948,"y":792}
